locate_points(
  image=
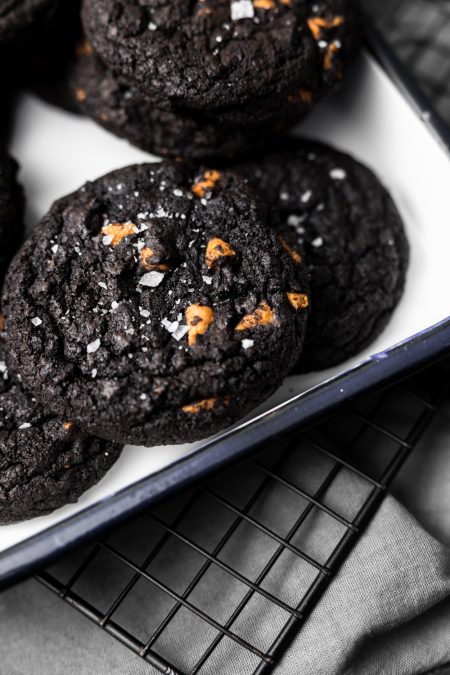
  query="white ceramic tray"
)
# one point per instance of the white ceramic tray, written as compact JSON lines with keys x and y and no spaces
{"x":372,"y":119}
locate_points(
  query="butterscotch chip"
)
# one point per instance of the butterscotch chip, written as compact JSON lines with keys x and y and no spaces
{"x":298,"y":300}
{"x":295,"y":255}
{"x":145,"y":255}
{"x":198,"y":318}
{"x":262,"y":316}
{"x":84,"y":49}
{"x":200,"y":406}
{"x":209,"y":180}
{"x":215,"y":249}
{"x":115,"y":232}
{"x":318,"y":24}
{"x":80,"y":94}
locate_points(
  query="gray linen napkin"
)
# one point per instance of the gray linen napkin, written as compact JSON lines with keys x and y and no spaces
{"x":387,"y":611}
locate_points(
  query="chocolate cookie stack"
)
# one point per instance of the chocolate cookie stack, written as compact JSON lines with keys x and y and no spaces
{"x":162,"y":302}
{"x":209,"y":79}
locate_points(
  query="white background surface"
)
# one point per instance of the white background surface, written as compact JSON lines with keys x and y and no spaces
{"x":370,"y":119}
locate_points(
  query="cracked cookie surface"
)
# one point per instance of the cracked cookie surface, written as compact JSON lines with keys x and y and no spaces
{"x":11,"y":211}
{"x":354,"y":242}
{"x":152,"y":305}
{"x":224,"y":54}
{"x":45,"y":462}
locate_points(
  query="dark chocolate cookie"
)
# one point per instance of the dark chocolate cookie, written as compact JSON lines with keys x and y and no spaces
{"x":354,"y":241}
{"x":18,"y":17}
{"x":45,"y":462}
{"x":124,"y":111}
{"x":155,"y":305}
{"x":11,"y":211}
{"x":207,"y":55}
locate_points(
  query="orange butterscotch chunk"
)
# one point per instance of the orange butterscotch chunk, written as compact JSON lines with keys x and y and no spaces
{"x":68,"y":425}
{"x":296,"y":257}
{"x":209,"y":180}
{"x":317,"y":24}
{"x":145,"y":256}
{"x":2,"y":322}
{"x":217,"y":248}
{"x":198,"y":318}
{"x":304,"y":95}
{"x":118,"y":231}
{"x":84,"y":49}
{"x":298,"y":300}
{"x":80,"y":94}
{"x":206,"y":404}
{"x":262,"y":316}
{"x":328,"y":56}
{"x":264,"y":4}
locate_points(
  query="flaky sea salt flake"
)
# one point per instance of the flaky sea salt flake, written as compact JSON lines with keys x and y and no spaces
{"x":151,"y":279}
{"x":242,"y":9}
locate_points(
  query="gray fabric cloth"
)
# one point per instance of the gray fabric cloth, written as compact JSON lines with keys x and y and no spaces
{"x":387,"y":611}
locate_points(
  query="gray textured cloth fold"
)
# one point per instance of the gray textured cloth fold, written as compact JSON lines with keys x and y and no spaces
{"x":387,"y":611}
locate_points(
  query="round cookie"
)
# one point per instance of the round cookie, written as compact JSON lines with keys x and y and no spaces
{"x":224,"y":54}
{"x":11,"y":211}
{"x":353,"y":238}
{"x":45,"y":462}
{"x":124,"y":111}
{"x":17,"y":17}
{"x":154,"y":305}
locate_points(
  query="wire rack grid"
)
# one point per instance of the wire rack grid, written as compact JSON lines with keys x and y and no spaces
{"x":419,"y":32}
{"x":220,"y":579}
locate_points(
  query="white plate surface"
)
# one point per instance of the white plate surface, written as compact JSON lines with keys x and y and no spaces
{"x":370,"y":119}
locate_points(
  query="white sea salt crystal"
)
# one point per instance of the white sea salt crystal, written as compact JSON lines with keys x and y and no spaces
{"x":294,"y":221}
{"x":107,"y":239}
{"x":338,"y":174}
{"x":180,"y":332}
{"x":144,"y":312}
{"x":207,"y":280}
{"x":36,"y":321}
{"x":102,"y":284}
{"x":317,"y":243}
{"x":306,"y":196}
{"x":25,"y":425}
{"x":247,"y":344}
{"x":151,"y":279}
{"x":94,"y":373}
{"x":242,"y":9}
{"x":93,"y":346}
{"x":55,"y":248}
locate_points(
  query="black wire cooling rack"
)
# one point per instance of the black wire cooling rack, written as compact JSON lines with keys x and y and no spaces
{"x":220,"y":579}
{"x":419,"y":32}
